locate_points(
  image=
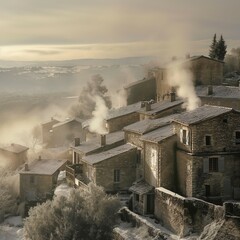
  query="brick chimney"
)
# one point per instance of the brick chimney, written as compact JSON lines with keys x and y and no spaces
{"x":210,"y":90}
{"x":103,"y":140}
{"x":76,"y":141}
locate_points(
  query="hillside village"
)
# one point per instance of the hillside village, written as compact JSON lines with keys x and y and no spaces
{"x":177,"y":165}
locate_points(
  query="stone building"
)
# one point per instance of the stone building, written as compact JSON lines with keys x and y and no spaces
{"x":161,"y":109}
{"x":208,"y":153}
{"x":38,"y":179}
{"x":95,"y":145}
{"x":64,"y":132}
{"x":143,"y":90}
{"x":118,"y":118}
{"x":47,"y":131}
{"x":135,"y":131}
{"x":13,"y":156}
{"x":226,"y":96}
{"x":113,"y":169}
{"x":204,"y":71}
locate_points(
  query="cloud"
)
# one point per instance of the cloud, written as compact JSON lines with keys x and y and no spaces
{"x":113,"y":23}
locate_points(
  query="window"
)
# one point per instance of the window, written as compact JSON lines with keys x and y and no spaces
{"x":213,"y":164}
{"x":116,"y":175}
{"x":237,"y":137}
{"x":184,"y":136}
{"x":208,"y":140}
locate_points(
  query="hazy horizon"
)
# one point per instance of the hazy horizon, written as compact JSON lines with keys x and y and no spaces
{"x":60,"y":30}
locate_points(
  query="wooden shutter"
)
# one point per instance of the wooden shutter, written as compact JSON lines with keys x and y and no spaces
{"x":205,"y":165}
{"x":221,"y":164}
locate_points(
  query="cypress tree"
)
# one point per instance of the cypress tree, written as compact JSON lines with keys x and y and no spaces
{"x":221,"y":49}
{"x":212,"y":51}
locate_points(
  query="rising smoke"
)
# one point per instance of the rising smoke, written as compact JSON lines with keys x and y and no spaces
{"x":180,"y":77}
{"x":97,"y":122}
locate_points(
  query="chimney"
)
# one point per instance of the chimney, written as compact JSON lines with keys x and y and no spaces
{"x":26,"y":168}
{"x":76,"y":141}
{"x":172,"y":96}
{"x":39,"y":158}
{"x":210,"y":90}
{"x":148,"y":106}
{"x":103,"y":140}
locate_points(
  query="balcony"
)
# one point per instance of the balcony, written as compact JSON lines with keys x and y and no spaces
{"x":74,"y":173}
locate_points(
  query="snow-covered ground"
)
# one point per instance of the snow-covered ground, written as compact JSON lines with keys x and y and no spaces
{"x":11,"y":229}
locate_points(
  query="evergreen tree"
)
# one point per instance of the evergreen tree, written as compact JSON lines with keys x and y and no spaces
{"x":212,"y":51}
{"x":221,"y":49}
{"x":218,"y":49}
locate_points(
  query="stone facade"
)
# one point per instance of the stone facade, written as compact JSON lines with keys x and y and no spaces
{"x":204,"y":70}
{"x":208,"y":163}
{"x":159,"y":161}
{"x":104,"y":171}
{"x":118,"y":123}
{"x":38,"y":179}
{"x":125,"y":163}
{"x":184,"y":215}
{"x":142,"y":90}
{"x":64,"y":133}
{"x":13,"y":156}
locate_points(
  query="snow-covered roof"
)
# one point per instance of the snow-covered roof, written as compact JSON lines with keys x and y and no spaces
{"x":201,"y":114}
{"x":94,"y":143}
{"x":149,"y":125}
{"x":159,"y":134}
{"x":15,"y":148}
{"x":219,"y":92}
{"x":99,"y":157}
{"x":67,"y":121}
{"x":160,"y":106}
{"x":44,"y":166}
{"x":141,"y":187}
{"x":114,"y":113}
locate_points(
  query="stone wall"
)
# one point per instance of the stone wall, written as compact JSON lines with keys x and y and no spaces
{"x":141,"y":91}
{"x":37,"y":190}
{"x":126,"y":163}
{"x":167,"y":173}
{"x":151,"y":163}
{"x":207,"y":71}
{"x":133,"y":138}
{"x":192,"y":177}
{"x":118,"y":123}
{"x":184,"y":215}
{"x":221,"y":129}
{"x":225,"y":102}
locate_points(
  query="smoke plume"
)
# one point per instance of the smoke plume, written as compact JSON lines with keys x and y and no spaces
{"x":86,"y":102}
{"x":97,"y":123}
{"x":181,"y":78}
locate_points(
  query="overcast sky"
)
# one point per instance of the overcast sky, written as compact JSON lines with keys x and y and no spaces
{"x":61,"y":29}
